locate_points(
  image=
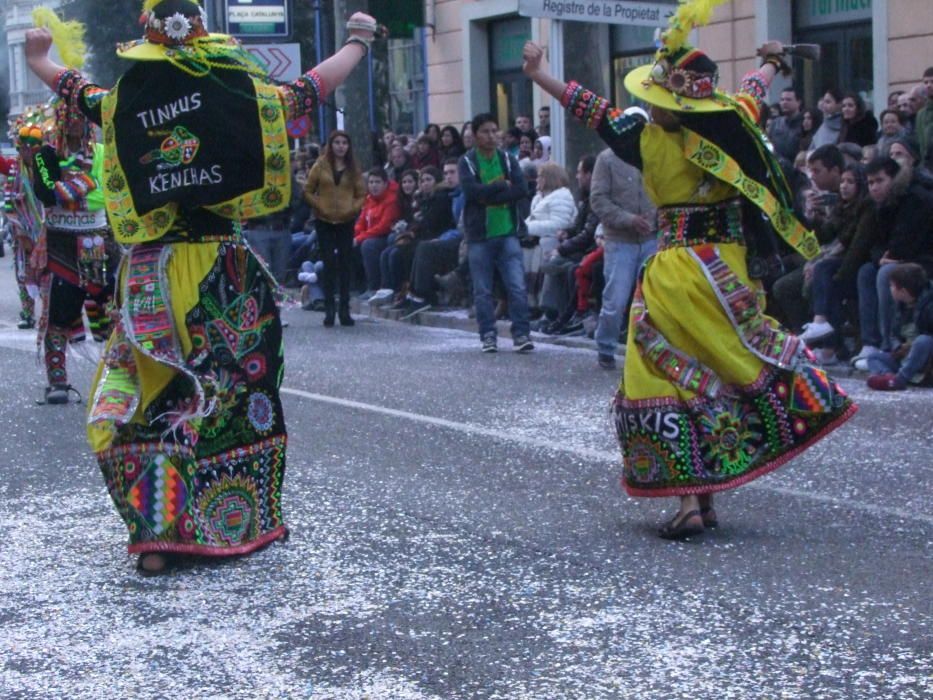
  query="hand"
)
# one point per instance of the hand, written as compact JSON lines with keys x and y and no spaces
{"x":362,"y":17}
{"x":807,"y":273}
{"x":641,"y":225}
{"x":38,"y":43}
{"x":531,"y":58}
{"x":771,"y":48}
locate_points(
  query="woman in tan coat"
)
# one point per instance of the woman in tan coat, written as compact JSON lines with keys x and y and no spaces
{"x":335,"y":191}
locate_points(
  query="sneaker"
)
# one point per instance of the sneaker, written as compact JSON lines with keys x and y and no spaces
{"x":307,"y":277}
{"x":490,"y":343}
{"x":523,"y":344}
{"x":25,"y":324}
{"x":381,"y":296}
{"x":866,"y":352}
{"x":607,"y":361}
{"x":415,"y":308}
{"x":814,"y":333}
{"x":861,"y":364}
{"x":574,"y":325}
{"x":886,"y":382}
{"x":367,"y":295}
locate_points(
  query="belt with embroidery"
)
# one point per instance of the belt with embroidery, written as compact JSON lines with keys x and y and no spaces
{"x":685,"y":226}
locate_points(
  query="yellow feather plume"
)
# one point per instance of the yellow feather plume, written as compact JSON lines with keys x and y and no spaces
{"x":690,"y":14}
{"x":149,"y":4}
{"x":68,"y":36}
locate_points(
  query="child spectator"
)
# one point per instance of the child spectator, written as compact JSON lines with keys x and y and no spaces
{"x":911,"y":360}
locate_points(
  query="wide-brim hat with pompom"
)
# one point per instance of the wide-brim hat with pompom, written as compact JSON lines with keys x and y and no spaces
{"x":172,"y":28}
{"x":682,"y":78}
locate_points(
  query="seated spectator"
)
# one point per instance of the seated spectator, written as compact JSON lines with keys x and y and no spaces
{"x":380,"y":212}
{"x":466,"y":136}
{"x":557,"y":290}
{"x":905,"y":211}
{"x":906,"y":152}
{"x":433,"y":216}
{"x":892,"y":127}
{"x":437,"y":257}
{"x":869,"y":153}
{"x":911,"y":360}
{"x":826,"y":164}
{"x":399,"y":162}
{"x":408,"y":188}
{"x":584,"y":291}
{"x":831,"y":276}
{"x":451,"y":143}
{"x":426,"y":153}
{"x":525,"y":148}
{"x":552,"y":210}
{"x":511,"y":138}
{"x":858,"y":124}
{"x":541,"y":151}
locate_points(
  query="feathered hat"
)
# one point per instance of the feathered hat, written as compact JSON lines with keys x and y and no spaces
{"x":682,"y":78}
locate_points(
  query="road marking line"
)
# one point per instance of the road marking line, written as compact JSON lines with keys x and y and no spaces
{"x":600,"y":455}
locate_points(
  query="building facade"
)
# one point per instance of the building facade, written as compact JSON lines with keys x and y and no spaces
{"x":474,"y":46}
{"x":25,"y":88}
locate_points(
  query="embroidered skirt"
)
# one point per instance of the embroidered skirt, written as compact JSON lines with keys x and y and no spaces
{"x":714,"y":392}
{"x":186,"y":420}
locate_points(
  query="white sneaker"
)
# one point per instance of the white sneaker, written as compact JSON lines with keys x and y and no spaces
{"x":866,"y":352}
{"x":381,"y":296}
{"x":861,"y":364}
{"x":307,"y":277}
{"x":813,"y":332}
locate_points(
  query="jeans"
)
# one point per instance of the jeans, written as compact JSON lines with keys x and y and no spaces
{"x":336,"y":241}
{"x":371,"y":250}
{"x":876,"y":306}
{"x":621,"y":263}
{"x":503,"y":254}
{"x":274,"y":247}
{"x":917,"y":360}
{"x":556,"y":291}
{"x":828,"y":294}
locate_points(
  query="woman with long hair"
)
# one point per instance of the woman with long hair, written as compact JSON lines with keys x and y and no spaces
{"x":335,"y":191}
{"x":451,"y":143}
{"x":858,"y":124}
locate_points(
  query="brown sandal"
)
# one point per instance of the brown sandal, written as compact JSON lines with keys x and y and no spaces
{"x":679,"y":528}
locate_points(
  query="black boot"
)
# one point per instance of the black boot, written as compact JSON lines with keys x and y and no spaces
{"x":344,"y":314}
{"x":329,"y":312}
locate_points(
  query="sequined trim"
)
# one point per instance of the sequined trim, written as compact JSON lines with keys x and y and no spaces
{"x":762,"y":336}
{"x":680,"y":226}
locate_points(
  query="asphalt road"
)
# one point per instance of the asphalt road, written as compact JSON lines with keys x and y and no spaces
{"x":458,"y":531}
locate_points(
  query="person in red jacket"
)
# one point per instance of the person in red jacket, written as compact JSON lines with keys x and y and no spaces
{"x":370,"y":234}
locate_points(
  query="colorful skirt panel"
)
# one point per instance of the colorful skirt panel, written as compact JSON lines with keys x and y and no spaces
{"x":733,"y":397}
{"x":187,"y":402}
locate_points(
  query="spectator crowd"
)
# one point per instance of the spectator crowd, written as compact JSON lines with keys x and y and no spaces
{"x":481,"y":218}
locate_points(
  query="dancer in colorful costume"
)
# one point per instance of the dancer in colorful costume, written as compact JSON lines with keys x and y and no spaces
{"x":186,"y":419}
{"x":25,"y":213}
{"x":714,"y":393}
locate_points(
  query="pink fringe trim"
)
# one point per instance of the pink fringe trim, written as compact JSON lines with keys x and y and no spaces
{"x":204,"y":550}
{"x":766,"y":468}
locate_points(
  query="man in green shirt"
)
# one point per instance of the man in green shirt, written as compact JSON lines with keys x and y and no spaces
{"x":496,"y":205}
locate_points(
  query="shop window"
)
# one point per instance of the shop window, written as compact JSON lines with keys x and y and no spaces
{"x":511,"y":90}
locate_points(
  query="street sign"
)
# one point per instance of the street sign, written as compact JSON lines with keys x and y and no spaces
{"x":252,"y":18}
{"x":639,"y":14}
{"x":283,"y":61}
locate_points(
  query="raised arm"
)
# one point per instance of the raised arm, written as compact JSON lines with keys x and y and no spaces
{"x":620,"y":132}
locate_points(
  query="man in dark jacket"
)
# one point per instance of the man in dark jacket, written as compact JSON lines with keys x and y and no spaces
{"x":558,"y":290}
{"x":911,"y":360}
{"x":495,"y":207}
{"x":785,"y":131}
{"x":906,"y":235}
